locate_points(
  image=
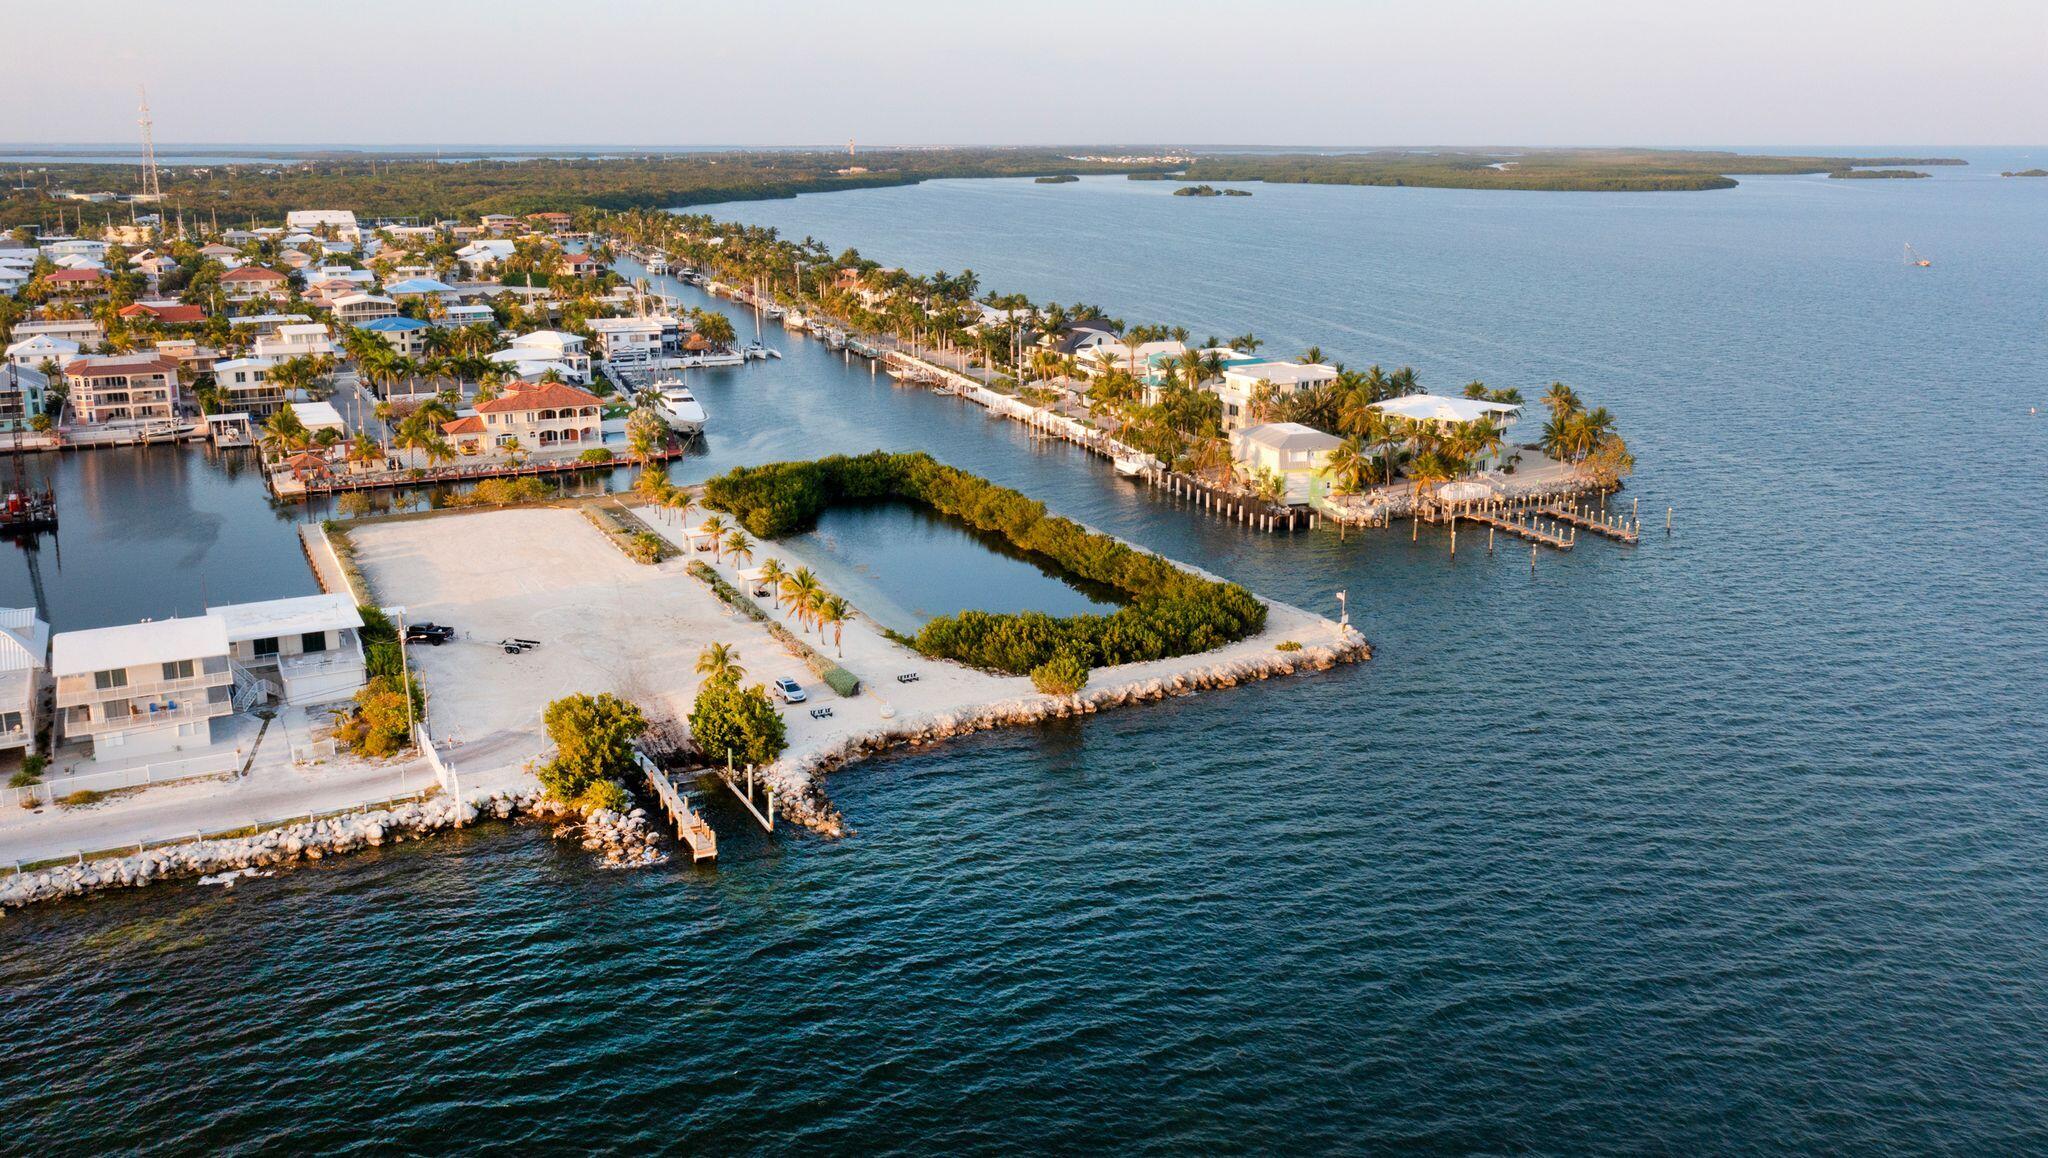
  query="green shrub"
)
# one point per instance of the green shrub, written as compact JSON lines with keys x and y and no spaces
{"x":379,"y":724}
{"x":80,"y":798}
{"x":24,"y":779}
{"x":737,"y":724}
{"x":1171,"y":611}
{"x":605,"y":795}
{"x":500,"y":492}
{"x":1287,"y":645}
{"x":593,"y":737}
{"x":1062,"y":675}
{"x":596,"y":454}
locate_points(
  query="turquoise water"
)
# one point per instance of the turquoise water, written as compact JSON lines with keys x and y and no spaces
{"x":1732,"y":842}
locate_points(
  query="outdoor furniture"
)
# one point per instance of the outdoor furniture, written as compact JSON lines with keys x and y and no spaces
{"x":821,"y":713}
{"x":909,"y":677}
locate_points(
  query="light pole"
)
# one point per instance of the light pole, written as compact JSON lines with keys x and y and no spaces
{"x":412,"y":729}
{"x":1343,"y":610}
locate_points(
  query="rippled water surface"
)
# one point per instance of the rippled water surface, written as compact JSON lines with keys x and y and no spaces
{"x":1734,"y":841}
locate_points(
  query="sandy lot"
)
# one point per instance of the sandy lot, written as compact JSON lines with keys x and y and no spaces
{"x":609,"y":624}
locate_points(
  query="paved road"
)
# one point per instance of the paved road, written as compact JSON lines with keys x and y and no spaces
{"x":357,"y":405}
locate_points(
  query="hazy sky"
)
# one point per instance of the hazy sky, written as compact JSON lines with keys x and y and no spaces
{"x":1362,"y":72}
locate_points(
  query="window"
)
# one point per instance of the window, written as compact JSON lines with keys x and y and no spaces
{"x":313,"y":641}
{"x":178,"y":669}
{"x":10,"y":721}
{"x":266,"y":648}
{"x":103,"y":680}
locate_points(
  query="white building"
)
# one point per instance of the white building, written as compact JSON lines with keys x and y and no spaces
{"x":1296,"y":453}
{"x":24,"y":657}
{"x":32,"y":352}
{"x":340,"y":223}
{"x":296,"y":340}
{"x":356,"y":309}
{"x":637,"y":342}
{"x":143,"y":689}
{"x":310,"y":648}
{"x":1241,"y":383}
{"x":481,"y":257}
{"x":244,"y":385}
{"x":548,"y":348}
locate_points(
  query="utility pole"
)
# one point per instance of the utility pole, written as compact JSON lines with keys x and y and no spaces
{"x":150,"y":188}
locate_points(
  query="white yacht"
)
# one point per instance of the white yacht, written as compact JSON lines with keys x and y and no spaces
{"x":679,"y":407}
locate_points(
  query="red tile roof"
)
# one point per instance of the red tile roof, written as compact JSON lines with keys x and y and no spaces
{"x":75,"y":275}
{"x":252,"y":273}
{"x":173,"y":315}
{"x":543,"y":396}
{"x":100,"y":365}
{"x":467,"y":424}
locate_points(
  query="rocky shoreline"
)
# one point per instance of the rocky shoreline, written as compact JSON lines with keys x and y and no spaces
{"x":630,"y":840}
{"x":800,"y":783}
{"x":620,"y":841}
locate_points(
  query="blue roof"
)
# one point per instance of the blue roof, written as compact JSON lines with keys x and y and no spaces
{"x":419,"y":285}
{"x":395,"y":325}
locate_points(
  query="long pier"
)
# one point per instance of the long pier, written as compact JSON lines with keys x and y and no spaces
{"x":1615,"y":527}
{"x":691,"y":829}
{"x":428,"y":476}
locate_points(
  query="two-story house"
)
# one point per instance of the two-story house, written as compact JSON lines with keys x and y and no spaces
{"x":244,"y":385}
{"x":309,"y":647}
{"x":253,"y":283}
{"x":407,"y":337}
{"x":296,"y":340}
{"x":357,"y":308}
{"x":541,"y":416}
{"x":143,"y":689}
{"x":24,"y":657}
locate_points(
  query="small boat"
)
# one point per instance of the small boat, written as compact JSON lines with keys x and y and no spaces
{"x":1914,"y":259}
{"x":701,"y":359}
{"x":794,"y":320}
{"x":679,"y":407}
{"x":1131,"y":466}
{"x":755,"y":351}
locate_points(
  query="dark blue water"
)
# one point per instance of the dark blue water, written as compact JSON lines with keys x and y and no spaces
{"x":1731,"y":842}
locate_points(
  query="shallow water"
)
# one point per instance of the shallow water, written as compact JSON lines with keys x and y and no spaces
{"x":1730,"y":842}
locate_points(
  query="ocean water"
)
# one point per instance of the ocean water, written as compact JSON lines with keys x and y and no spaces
{"x":1734,"y":841}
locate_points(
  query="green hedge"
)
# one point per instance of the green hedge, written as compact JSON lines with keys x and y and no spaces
{"x":1172,"y":612}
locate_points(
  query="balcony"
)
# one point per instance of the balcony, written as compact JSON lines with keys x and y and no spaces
{"x":135,"y":716}
{"x":76,"y":691}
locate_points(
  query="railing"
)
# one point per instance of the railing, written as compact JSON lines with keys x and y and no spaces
{"x":163,"y":772}
{"x":185,"y":713}
{"x":72,"y":691}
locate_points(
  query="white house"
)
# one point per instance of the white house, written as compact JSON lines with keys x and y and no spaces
{"x":340,"y":223}
{"x":296,"y":340}
{"x":481,"y":257}
{"x":356,"y":309}
{"x":24,"y":657}
{"x":143,"y":689}
{"x":310,"y":647}
{"x":32,"y":352}
{"x":244,"y":385}
{"x":554,"y":347}
{"x":1296,"y":453}
{"x":1240,"y":386}
{"x":637,"y":341}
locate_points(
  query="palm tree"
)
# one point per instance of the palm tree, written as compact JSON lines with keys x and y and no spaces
{"x":1431,"y":467}
{"x":512,"y":450}
{"x":720,"y":659}
{"x":363,"y":450}
{"x":739,"y":547}
{"x":1349,"y":465}
{"x":833,"y":613}
{"x":1312,"y":356}
{"x":1561,"y":400}
{"x":284,"y":433}
{"x":715,"y":526}
{"x":772,"y":576}
{"x":804,"y":591}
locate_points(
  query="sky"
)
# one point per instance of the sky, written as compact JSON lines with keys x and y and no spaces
{"x":914,"y":72}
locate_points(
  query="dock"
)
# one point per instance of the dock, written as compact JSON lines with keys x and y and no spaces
{"x":1622,"y":530}
{"x":691,"y":829}
{"x":763,"y":814}
{"x":285,"y":486}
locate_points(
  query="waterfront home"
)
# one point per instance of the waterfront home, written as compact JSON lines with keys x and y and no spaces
{"x":577,"y":265}
{"x":499,"y":223}
{"x":143,"y":689}
{"x":1445,"y":414}
{"x":40,"y":348}
{"x":547,"y":349}
{"x":166,"y":313}
{"x":296,"y":340}
{"x":319,"y":416}
{"x":244,"y":385}
{"x":76,"y":283}
{"x":253,"y":283}
{"x":23,"y":394}
{"x":339,"y":223}
{"x":219,"y":252}
{"x":1295,"y":453}
{"x":626,"y":342}
{"x":85,"y":247}
{"x":543,"y":415}
{"x":1137,"y":360}
{"x":310,"y":648}
{"x":327,"y":290}
{"x":358,"y":309}
{"x":295,"y":259}
{"x":1080,"y":337}
{"x":553,"y":222}
{"x":110,"y":388}
{"x":1241,"y":384}
{"x":24,"y":659}
{"x":407,"y":337}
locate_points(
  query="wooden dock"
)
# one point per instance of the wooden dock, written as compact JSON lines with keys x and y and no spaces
{"x":290,"y":488}
{"x":690,"y":827}
{"x":763,"y":814}
{"x":1621,"y":530}
{"x":1519,"y":523}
